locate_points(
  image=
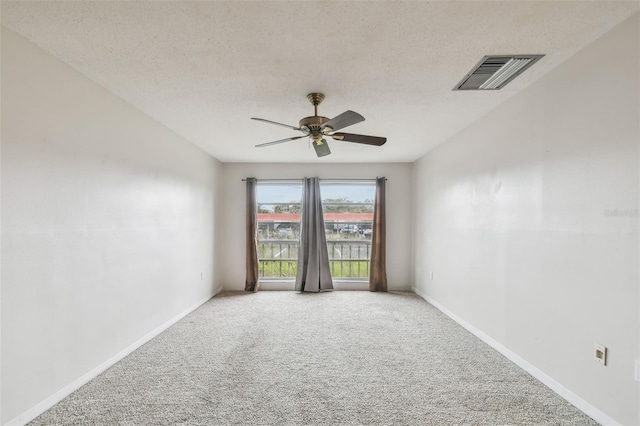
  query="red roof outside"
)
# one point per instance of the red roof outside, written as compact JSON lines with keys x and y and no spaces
{"x":328,"y":217}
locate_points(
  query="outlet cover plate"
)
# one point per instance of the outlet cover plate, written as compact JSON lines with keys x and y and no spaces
{"x":600,"y":354}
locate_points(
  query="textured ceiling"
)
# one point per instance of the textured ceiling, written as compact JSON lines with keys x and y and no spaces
{"x":204,"y":68}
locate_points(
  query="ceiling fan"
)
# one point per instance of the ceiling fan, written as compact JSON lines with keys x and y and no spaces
{"x":317,"y":127}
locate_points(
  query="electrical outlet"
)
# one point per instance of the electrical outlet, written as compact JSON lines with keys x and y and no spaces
{"x":600,"y":355}
{"x":637,"y":373}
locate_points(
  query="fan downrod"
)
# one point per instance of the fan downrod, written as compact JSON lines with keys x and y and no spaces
{"x":315,"y":99}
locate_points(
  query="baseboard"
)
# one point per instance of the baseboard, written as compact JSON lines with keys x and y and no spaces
{"x":555,"y":386}
{"x":43,"y":406}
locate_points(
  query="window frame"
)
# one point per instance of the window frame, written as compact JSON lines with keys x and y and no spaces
{"x":361,"y":264}
{"x":292,"y":245}
{"x":360,"y":276}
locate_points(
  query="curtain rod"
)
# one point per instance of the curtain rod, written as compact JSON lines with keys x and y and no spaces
{"x":326,"y":180}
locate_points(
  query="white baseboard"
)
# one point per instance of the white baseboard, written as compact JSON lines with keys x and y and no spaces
{"x":44,"y":405}
{"x":558,"y":388}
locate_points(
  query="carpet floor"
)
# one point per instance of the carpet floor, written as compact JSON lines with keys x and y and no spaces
{"x":335,"y":358}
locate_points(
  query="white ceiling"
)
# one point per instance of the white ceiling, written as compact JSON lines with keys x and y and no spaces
{"x":204,"y":68}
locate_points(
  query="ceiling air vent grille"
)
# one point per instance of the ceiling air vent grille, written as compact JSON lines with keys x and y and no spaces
{"x":494,"y":72}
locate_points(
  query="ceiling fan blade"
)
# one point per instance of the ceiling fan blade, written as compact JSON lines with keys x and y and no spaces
{"x":276,"y":123}
{"x":321,"y":147}
{"x":343,"y":120}
{"x":281,"y":141}
{"x":368,"y":140}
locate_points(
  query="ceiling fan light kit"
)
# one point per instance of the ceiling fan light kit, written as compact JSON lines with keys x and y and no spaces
{"x":321,"y":147}
{"x":316,"y":127}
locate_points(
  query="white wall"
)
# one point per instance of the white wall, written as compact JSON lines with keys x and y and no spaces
{"x":512,"y":218}
{"x":398,"y":198}
{"x":108,"y":219}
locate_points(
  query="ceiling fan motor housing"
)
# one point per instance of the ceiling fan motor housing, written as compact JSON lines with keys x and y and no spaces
{"x":313,"y":127}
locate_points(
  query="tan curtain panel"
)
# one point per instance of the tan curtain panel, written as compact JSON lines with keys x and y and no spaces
{"x":314,"y":273}
{"x":378,"y":270}
{"x":251,"y":282}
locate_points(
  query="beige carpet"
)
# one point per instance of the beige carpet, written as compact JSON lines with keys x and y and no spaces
{"x":337,"y":358}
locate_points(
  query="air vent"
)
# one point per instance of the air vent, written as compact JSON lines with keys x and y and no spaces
{"x":494,"y":72}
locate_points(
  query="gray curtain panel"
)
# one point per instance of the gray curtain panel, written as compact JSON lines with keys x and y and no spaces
{"x":251,"y":282}
{"x":313,"y":259}
{"x":378,"y":270}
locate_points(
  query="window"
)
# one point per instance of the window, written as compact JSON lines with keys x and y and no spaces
{"x":278,"y":228}
{"x":348,"y":220}
{"x":348,"y":217}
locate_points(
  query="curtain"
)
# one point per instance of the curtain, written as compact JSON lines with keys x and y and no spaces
{"x":378,"y":269}
{"x":313,"y":259}
{"x":251,"y":282}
